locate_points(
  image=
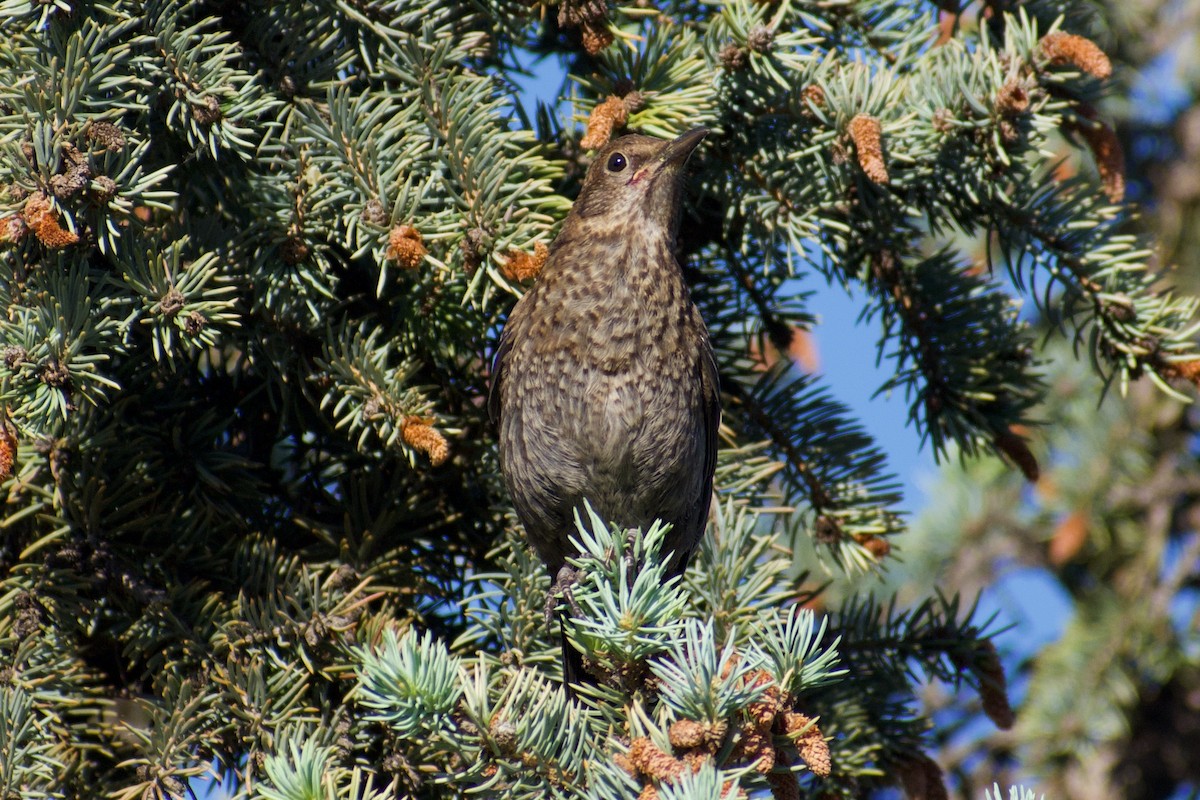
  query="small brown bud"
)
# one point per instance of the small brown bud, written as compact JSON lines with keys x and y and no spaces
{"x":504,"y":733}
{"x":814,"y":94}
{"x":55,"y":374}
{"x":573,"y":13}
{"x":194,"y":322}
{"x":943,"y":120}
{"x":760,"y":38}
{"x":406,"y":247}
{"x":8,"y":449}
{"x":1110,"y":158}
{"x":293,"y":250}
{"x":472,"y":247}
{"x":1012,"y":98}
{"x":289,"y":87}
{"x":208,"y":111}
{"x":43,"y":221}
{"x":596,"y":36}
{"x":69,"y":183}
{"x":1067,"y":48}
{"x":372,"y":409}
{"x":733,"y":58}
{"x":827,"y":530}
{"x":107,"y":135}
{"x":877,"y":546}
{"x":73,"y":157}
{"x":1120,"y":307}
{"x":605,"y":118}
{"x":15,"y":356}
{"x":837,"y":153}
{"x":867,"y":135}
{"x":374,"y":212}
{"x":419,"y":435}
{"x":648,"y":759}
{"x":522,"y":266}
{"x":102,"y":189}
{"x":1013,"y":445}
{"x":12,"y":229}
{"x":171,"y":303}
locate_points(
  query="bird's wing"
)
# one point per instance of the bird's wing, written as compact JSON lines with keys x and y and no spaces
{"x":512,"y":327}
{"x":498,"y":373}
{"x":711,"y":386}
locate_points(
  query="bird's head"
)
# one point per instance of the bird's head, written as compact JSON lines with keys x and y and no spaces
{"x":637,"y":178}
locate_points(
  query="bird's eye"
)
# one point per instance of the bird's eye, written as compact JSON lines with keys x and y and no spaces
{"x":616,"y":162}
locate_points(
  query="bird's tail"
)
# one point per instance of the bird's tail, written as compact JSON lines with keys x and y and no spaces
{"x":572,"y":663}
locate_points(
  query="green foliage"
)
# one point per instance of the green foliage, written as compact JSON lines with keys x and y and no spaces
{"x":410,"y":683}
{"x":1104,"y":527}
{"x":253,"y":260}
{"x":513,"y":730}
{"x":631,"y":610}
{"x":700,"y":684}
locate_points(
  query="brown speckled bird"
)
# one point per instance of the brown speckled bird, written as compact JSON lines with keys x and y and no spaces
{"x":605,"y":386}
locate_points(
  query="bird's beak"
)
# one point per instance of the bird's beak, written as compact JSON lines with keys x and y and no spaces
{"x":676,"y":153}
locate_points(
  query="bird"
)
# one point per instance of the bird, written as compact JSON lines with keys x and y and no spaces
{"x":604,"y":382}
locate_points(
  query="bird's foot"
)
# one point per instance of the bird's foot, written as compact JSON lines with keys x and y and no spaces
{"x":563,"y":585}
{"x":628,"y":559}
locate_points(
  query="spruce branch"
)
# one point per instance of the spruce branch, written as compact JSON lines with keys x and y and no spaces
{"x":969,"y":386}
{"x":166,"y":743}
{"x":829,"y":461}
{"x":65,"y":323}
{"x":374,"y":398}
{"x":251,"y":265}
{"x":645,"y":605}
{"x":1133,"y":326}
{"x":27,"y":742}
{"x":212,"y":103}
{"x":668,"y":75}
{"x":737,"y":577}
{"x":410,"y":683}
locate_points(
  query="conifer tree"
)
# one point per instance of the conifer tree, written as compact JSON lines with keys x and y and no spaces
{"x":254,"y":262}
{"x":1111,"y":707}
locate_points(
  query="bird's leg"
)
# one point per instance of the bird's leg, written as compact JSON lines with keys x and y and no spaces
{"x":563,"y":583}
{"x":628,"y":558}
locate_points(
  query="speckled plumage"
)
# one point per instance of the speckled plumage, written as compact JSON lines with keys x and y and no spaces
{"x":605,"y":386}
